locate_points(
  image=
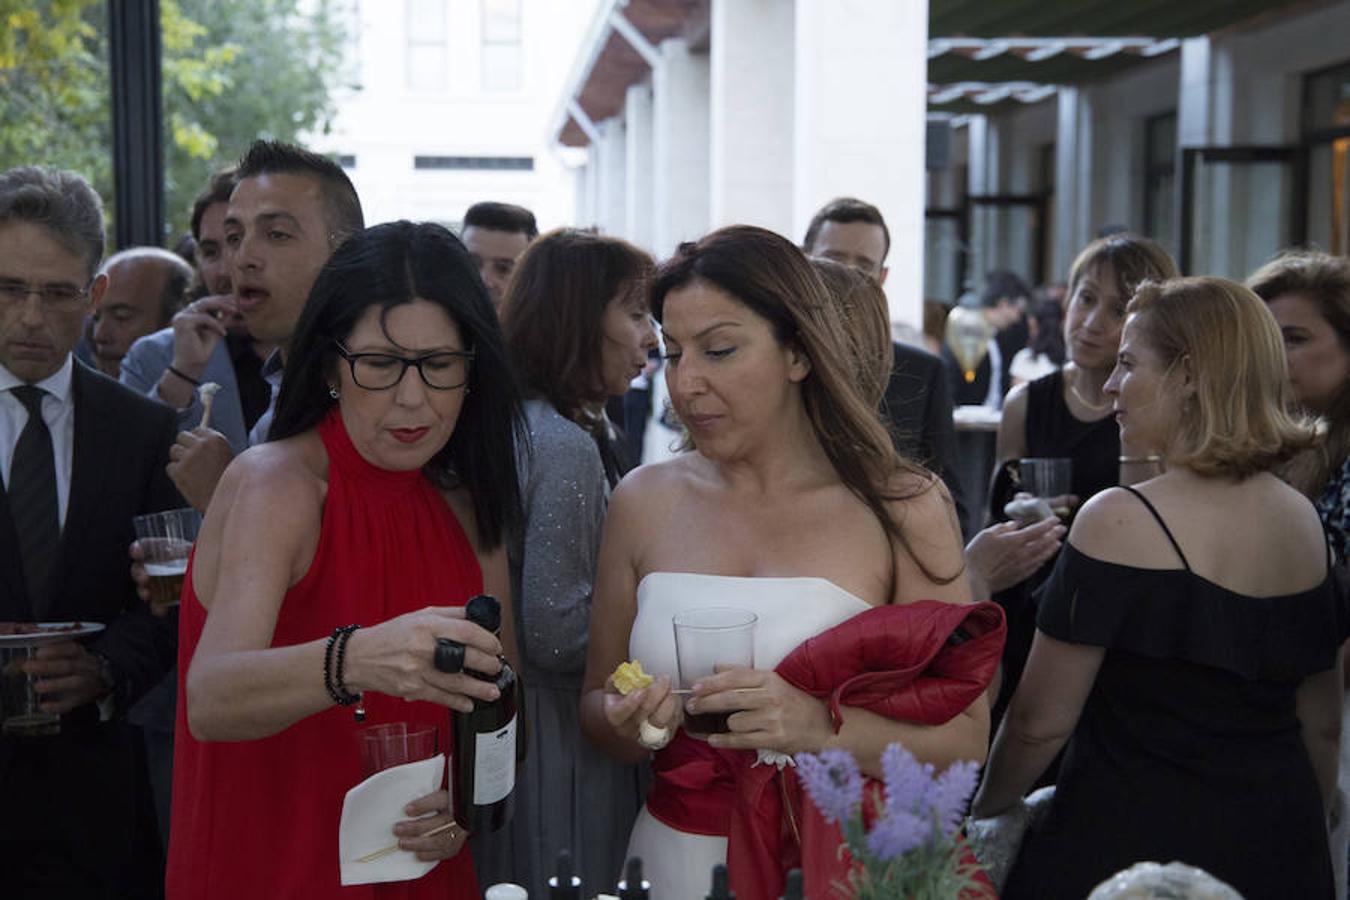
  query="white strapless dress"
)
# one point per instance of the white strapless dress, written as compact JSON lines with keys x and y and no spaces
{"x":790,"y":610}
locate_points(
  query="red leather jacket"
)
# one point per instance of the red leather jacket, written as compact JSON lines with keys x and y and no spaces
{"x":921,"y":662}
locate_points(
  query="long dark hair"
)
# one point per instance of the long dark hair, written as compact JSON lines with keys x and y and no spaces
{"x":553,"y":312}
{"x":553,"y":319}
{"x":772,"y":277}
{"x":386,"y":266}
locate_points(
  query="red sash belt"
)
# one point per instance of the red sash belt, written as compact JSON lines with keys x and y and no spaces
{"x":694,"y":786}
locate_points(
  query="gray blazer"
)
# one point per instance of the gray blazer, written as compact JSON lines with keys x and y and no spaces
{"x":149,"y":358}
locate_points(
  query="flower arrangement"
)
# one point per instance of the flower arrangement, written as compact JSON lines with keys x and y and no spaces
{"x":912,"y":851}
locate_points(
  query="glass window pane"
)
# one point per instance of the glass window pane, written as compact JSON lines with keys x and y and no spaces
{"x":1242,"y":216}
{"x":942,"y":259}
{"x":426,"y":20}
{"x":1327,"y":100}
{"x":426,"y":67}
{"x":501,"y":21}
{"x":501,"y":67}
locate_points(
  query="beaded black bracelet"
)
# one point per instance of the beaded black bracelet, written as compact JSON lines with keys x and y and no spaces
{"x":328,"y":666}
{"x":333,"y":656}
{"x":346,"y":697}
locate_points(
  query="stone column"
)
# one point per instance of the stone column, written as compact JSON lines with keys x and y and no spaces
{"x":752,"y":60}
{"x":860,"y":86}
{"x":638,"y":224}
{"x":613,"y":153}
{"x":680,"y":143}
{"x":1073,"y":176}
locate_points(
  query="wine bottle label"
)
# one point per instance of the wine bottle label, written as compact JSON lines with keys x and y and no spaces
{"x":494,"y":764}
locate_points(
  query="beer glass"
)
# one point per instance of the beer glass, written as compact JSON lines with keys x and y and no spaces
{"x":166,"y":540}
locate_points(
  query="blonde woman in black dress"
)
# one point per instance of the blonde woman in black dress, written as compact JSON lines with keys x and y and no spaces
{"x":1188,"y":639}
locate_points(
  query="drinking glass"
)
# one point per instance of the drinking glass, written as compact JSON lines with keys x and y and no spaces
{"x":394,"y":744}
{"x":706,"y":640}
{"x":19,"y":710}
{"x":166,"y":540}
{"x":1049,"y":478}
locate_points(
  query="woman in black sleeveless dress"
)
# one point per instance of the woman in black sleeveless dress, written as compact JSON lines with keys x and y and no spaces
{"x":1188,"y":637}
{"x":1065,"y":414}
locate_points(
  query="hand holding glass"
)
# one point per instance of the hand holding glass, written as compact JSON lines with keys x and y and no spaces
{"x":1048,"y":478}
{"x":166,"y":541}
{"x":707,"y":640}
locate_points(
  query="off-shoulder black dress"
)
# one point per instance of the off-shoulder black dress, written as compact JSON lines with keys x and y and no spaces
{"x":1189,"y":746}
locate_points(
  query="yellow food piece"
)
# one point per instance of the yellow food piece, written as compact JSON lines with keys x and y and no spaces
{"x":629,"y":677}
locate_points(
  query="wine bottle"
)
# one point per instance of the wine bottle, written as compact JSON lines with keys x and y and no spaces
{"x":634,"y":886}
{"x":485,"y":740}
{"x":564,"y":885}
{"x":792,"y":888}
{"x":721,"y":890}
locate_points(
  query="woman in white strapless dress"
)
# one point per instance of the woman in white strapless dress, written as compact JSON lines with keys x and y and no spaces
{"x":793,"y":505}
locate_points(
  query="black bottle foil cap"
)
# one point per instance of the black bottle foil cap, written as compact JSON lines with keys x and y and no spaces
{"x":721,"y":890}
{"x":792,"y":888}
{"x":485,"y":611}
{"x":633,"y":887}
{"x":564,"y":885}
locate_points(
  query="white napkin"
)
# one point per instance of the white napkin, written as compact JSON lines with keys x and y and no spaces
{"x":369,"y":812}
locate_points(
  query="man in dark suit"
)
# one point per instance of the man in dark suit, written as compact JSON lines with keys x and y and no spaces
{"x":917,"y":407}
{"x":80,"y":455}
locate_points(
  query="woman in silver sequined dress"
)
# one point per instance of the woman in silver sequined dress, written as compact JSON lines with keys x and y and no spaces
{"x":578,"y":329}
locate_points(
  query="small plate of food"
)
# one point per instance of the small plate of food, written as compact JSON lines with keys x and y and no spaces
{"x":35,"y":634}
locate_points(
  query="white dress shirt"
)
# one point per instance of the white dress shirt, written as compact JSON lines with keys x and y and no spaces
{"x":994,"y":398}
{"x":58,"y":411}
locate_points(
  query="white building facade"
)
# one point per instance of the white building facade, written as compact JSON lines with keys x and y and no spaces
{"x":451,"y":106}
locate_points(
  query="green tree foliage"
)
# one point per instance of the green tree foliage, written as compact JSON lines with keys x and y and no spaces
{"x":233,"y":71}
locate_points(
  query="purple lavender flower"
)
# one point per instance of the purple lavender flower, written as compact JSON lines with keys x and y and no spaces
{"x":949,"y":794}
{"x":908,"y":782}
{"x":896,"y":833}
{"x":833,"y":782}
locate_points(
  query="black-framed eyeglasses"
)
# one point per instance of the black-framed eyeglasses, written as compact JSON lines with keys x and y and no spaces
{"x":443,"y":370}
{"x":61,"y":297}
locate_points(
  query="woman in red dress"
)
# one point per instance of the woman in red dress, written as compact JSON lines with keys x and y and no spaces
{"x":381,"y":501}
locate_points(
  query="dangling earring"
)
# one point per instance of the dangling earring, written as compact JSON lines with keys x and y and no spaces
{"x":333,"y":392}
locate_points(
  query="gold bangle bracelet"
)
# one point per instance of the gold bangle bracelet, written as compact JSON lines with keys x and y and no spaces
{"x":1150,"y":458}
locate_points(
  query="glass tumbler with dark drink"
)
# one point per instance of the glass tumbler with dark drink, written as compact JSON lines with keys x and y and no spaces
{"x":166,"y":542}
{"x":706,"y":641}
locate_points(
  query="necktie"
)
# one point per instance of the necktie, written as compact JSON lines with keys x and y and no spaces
{"x":32,"y":496}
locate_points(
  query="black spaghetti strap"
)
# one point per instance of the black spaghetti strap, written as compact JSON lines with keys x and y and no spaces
{"x":1163,"y":525}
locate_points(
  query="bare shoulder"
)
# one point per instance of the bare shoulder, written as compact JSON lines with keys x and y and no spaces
{"x":656,"y":482}
{"x":1112,"y":526}
{"x":1293,"y":519}
{"x":287,"y":477}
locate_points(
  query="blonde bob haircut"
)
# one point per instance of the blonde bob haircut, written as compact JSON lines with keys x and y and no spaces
{"x":1237,"y":423}
{"x":866,"y":320}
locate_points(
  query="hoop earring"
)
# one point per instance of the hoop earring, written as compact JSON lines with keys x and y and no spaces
{"x":333,"y":392}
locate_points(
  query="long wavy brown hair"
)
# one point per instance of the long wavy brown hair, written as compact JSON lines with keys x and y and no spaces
{"x":861,"y":305}
{"x":773,"y":278}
